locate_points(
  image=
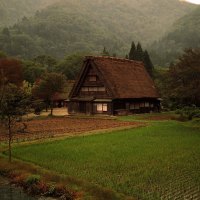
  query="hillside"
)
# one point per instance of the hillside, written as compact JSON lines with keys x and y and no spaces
{"x":13,"y":10}
{"x":185,"y":34}
{"x":71,"y":26}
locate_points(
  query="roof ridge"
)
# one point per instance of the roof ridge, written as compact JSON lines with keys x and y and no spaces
{"x":112,"y":58}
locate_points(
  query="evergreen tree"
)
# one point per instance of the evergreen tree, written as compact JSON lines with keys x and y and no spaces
{"x":147,"y":63}
{"x":132,"y":51}
{"x":6,"y":32}
{"x":105,"y":52}
{"x":139,"y":54}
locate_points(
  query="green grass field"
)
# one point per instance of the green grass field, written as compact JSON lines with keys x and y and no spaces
{"x":161,"y":160}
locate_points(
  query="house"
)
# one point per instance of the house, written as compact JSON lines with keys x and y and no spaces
{"x":112,"y":86}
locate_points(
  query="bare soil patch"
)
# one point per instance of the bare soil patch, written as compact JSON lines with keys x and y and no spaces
{"x":159,"y":117}
{"x":38,"y":129}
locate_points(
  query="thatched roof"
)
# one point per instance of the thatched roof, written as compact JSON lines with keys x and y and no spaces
{"x":125,"y":78}
{"x":64,"y":95}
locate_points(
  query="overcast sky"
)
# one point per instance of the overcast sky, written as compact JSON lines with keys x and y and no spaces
{"x":192,"y":1}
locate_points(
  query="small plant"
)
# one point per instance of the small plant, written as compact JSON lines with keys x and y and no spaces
{"x":33,"y":179}
{"x":51,"y":190}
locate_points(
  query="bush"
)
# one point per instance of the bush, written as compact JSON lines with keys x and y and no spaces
{"x":33,"y":179}
{"x":188,"y":113}
{"x":38,"y":106}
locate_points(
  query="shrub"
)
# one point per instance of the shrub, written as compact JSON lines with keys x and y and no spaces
{"x":38,"y":106}
{"x":19,"y":180}
{"x":60,"y":191}
{"x":51,"y":190}
{"x":188,"y":113}
{"x":33,"y":179}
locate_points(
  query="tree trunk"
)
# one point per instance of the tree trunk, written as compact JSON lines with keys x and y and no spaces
{"x":46,"y":105}
{"x":2,"y":87}
{"x":9,"y":139}
{"x":51,"y":104}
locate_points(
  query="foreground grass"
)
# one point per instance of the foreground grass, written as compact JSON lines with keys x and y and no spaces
{"x":161,"y":160}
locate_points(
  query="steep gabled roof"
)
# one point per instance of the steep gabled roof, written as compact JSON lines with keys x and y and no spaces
{"x":124,"y":78}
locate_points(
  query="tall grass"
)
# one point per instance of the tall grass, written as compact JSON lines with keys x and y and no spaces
{"x":153,"y":162}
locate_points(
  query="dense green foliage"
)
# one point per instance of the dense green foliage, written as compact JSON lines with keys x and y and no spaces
{"x":188,"y":113}
{"x":146,"y":162}
{"x":180,"y":86}
{"x":184,"y":34}
{"x":32,"y":71}
{"x":70,"y":66}
{"x":11,"y":11}
{"x":71,"y":26}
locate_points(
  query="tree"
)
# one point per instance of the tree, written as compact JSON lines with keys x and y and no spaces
{"x":47,"y":87}
{"x":148,"y":64}
{"x":137,"y":53}
{"x":183,"y":80}
{"x":14,"y":104}
{"x":71,"y":66}
{"x":132,"y":51}
{"x":11,"y":70}
{"x":14,"y":98}
{"x":46,"y":61}
{"x":32,"y":71}
{"x":105,"y":52}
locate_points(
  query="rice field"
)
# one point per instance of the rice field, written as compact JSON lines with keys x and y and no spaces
{"x":160,"y":161}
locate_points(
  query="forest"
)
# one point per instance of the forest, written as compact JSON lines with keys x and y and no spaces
{"x":68,"y":27}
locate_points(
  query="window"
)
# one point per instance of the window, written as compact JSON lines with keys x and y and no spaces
{"x":105,"y":107}
{"x":99,"y":107}
{"x":93,"y":89}
{"x":102,"y":107}
{"x":92,"y":78}
{"x":147,"y":104}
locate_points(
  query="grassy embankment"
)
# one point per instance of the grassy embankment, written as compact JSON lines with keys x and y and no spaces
{"x":161,"y":159}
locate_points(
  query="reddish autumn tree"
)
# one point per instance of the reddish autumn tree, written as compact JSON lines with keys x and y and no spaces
{"x":11,"y":70}
{"x":47,"y":87}
{"x":10,"y":73}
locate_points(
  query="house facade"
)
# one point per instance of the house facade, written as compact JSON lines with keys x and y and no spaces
{"x":113,"y":86}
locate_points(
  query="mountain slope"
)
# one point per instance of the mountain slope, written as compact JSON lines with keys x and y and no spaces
{"x":77,"y":25}
{"x":13,"y":10}
{"x":184,"y":34}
